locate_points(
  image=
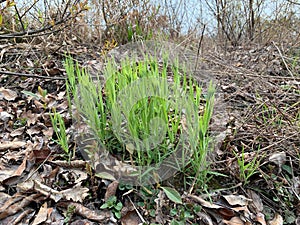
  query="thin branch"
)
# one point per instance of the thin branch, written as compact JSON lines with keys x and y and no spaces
{"x":19,"y":17}
{"x":293,"y":2}
{"x":199,"y":46}
{"x":31,"y":75}
{"x":49,"y":27}
{"x":286,"y":66}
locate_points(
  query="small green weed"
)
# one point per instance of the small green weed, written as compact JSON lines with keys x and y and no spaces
{"x":247,"y":169}
{"x":113,"y":205}
{"x":60,"y":131}
{"x":20,"y":122}
{"x":69,"y":214}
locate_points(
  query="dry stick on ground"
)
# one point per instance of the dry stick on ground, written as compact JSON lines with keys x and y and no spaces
{"x":285,"y":64}
{"x":31,"y":75}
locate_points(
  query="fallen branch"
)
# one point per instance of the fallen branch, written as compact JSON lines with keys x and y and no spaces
{"x":31,"y":75}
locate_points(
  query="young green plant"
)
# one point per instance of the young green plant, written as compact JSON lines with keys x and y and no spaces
{"x":59,"y":128}
{"x":154,"y":121}
{"x":246,"y":169}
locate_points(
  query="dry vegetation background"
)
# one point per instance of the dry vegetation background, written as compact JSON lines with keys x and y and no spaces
{"x":251,"y":47}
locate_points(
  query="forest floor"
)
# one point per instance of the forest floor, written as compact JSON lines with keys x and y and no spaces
{"x":259,"y":155}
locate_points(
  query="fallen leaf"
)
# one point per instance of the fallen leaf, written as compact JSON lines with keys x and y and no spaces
{"x":131,"y":218}
{"x":42,"y":215}
{"x":6,"y":172}
{"x":31,"y":118}
{"x":160,"y":203}
{"x":205,"y":218}
{"x":86,"y":212}
{"x":8,"y":94}
{"x":12,"y":145}
{"x":234,"y":221}
{"x":204,"y":203}
{"x":21,"y":168}
{"x":261,"y":218}
{"x":226,"y":213}
{"x":17,"y":132}
{"x":278,"y":158}
{"x":16,"y":204}
{"x":256,"y":201}
{"x":277,"y":220}
{"x":5,"y":116}
{"x":4,"y":197}
{"x":237,"y":200}
{"x":40,"y":155}
{"x":77,"y":193}
{"x":111,"y":190}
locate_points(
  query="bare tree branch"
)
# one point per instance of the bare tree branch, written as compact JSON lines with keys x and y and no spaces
{"x":293,"y":2}
{"x":37,"y":31}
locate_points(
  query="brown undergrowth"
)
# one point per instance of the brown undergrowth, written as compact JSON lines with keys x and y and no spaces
{"x":258,"y":159}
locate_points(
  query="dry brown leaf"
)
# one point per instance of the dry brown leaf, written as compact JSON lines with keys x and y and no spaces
{"x":160,"y":203}
{"x":86,"y":212}
{"x":277,"y":220}
{"x":5,"y":116}
{"x":261,"y":218}
{"x":9,"y":209}
{"x":8,"y":94}
{"x":12,"y":145}
{"x":205,"y":218}
{"x":74,"y":175}
{"x":7,"y":172}
{"x":48,"y":132}
{"x":204,"y":203}
{"x":36,"y":129}
{"x":40,"y":155}
{"x":77,"y":193}
{"x":237,"y":200}
{"x":42,"y":215}
{"x":240,"y":209}
{"x":20,"y":216}
{"x":4,"y":197}
{"x":17,"y":132}
{"x":256,"y":201}
{"x":131,"y":218}
{"x":25,"y":186}
{"x":226,"y":213}
{"x":111,"y":190}
{"x":21,"y":168}
{"x":278,"y":158}
{"x":62,"y":106}
{"x":234,"y":221}
{"x":31,"y":118}
{"x":61,"y":95}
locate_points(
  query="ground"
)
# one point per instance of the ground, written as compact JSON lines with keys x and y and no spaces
{"x":259,"y":157}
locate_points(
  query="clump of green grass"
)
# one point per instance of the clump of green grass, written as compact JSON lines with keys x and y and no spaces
{"x":247,"y":169}
{"x":59,"y":128}
{"x":148,"y":113}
